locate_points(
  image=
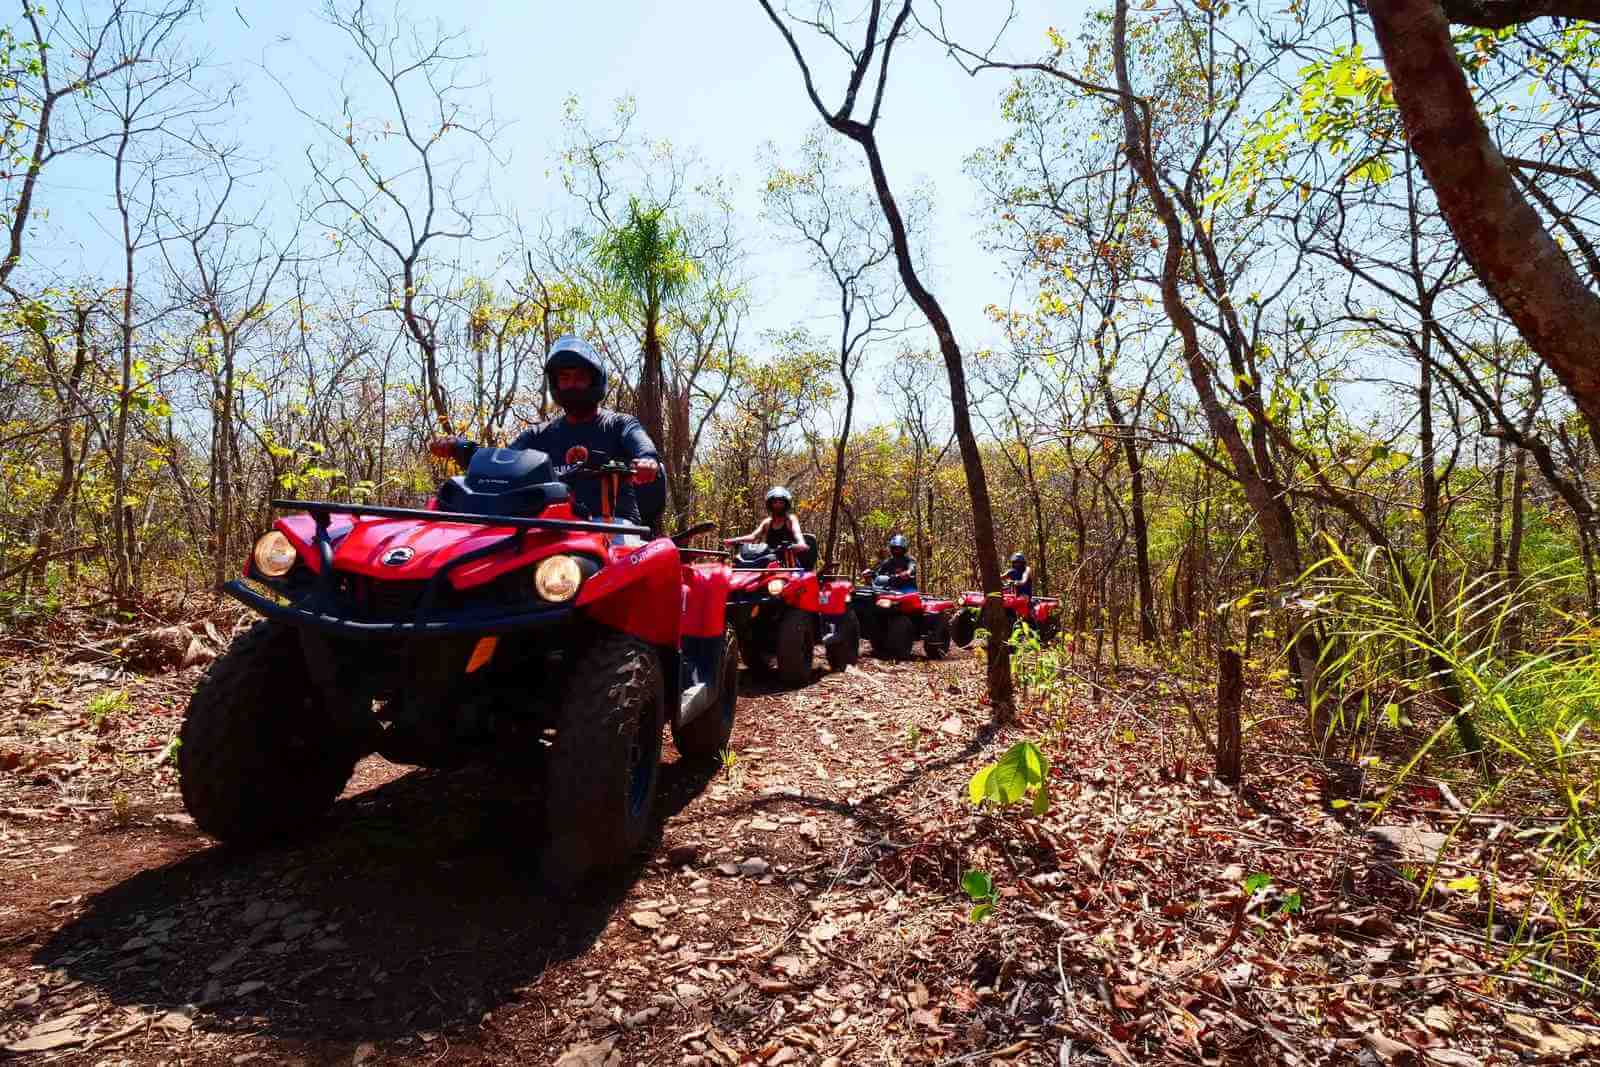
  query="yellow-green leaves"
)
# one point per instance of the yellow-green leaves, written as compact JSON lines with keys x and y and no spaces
{"x":1009,"y":780}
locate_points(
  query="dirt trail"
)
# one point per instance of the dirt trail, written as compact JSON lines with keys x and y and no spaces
{"x":764,"y":926}
{"x":800,"y":906}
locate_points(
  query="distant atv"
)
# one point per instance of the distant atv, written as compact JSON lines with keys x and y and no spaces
{"x":502,"y":620}
{"x":1040,"y":612}
{"x":895,"y":619}
{"x":781,"y":608}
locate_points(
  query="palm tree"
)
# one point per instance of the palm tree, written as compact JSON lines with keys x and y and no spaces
{"x":645,"y":259}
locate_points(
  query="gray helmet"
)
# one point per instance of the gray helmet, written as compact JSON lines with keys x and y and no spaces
{"x":778,"y":492}
{"x":1018,"y":557}
{"x":573,"y":351}
{"x":898,"y":541}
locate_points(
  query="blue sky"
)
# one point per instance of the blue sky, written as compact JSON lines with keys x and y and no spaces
{"x":711,"y":76}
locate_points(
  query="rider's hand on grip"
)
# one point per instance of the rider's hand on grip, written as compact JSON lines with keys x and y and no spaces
{"x":645,"y":471}
{"x":444,"y":447}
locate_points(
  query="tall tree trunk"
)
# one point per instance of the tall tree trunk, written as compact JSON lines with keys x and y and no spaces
{"x":1267,"y":500}
{"x":1141,"y":529}
{"x":1519,"y":484}
{"x":123,"y":578}
{"x":994,"y":618}
{"x":838,"y":466}
{"x":67,"y":396}
{"x":650,"y":376}
{"x":224,"y":560}
{"x":1498,"y":556}
{"x":1501,"y":234}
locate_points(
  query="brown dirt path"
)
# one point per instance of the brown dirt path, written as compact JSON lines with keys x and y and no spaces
{"x":800,"y":906}
{"x":759,"y":928}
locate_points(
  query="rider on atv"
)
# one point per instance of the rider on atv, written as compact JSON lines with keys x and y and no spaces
{"x":781,"y":526}
{"x":1020,"y":576}
{"x":899,"y":570}
{"x":577,"y":380}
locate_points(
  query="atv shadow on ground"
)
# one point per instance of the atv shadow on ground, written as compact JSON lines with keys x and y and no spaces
{"x":416,"y":907}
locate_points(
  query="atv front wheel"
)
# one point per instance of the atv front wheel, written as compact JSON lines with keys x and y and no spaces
{"x":257,"y":758}
{"x":705,"y":737}
{"x":846,"y":647}
{"x":796,"y":635}
{"x":600,"y":792}
{"x":936,"y":643}
{"x":898,"y":636}
{"x":965,"y":628}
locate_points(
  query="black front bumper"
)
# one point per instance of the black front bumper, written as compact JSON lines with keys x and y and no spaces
{"x":312,"y":611}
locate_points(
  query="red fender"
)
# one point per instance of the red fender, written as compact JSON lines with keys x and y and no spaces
{"x":640,"y":592}
{"x":705,"y":599}
{"x":833,"y":599}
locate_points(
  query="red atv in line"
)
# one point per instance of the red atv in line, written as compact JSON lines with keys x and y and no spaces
{"x":503,"y":620}
{"x":1040,"y":612}
{"x":895,"y":619}
{"x":780,"y":608}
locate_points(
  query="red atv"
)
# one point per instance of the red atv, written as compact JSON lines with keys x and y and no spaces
{"x":1040,"y":612}
{"x":503,"y":620}
{"x":895,"y":619}
{"x":780,"y":607}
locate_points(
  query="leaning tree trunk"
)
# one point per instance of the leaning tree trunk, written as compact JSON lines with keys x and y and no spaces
{"x":994,"y":617}
{"x":1500,"y":233}
{"x":838,"y":469}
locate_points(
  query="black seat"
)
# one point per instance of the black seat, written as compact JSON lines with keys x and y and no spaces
{"x":807,"y":557}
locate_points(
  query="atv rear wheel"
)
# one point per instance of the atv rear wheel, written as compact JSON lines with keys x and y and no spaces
{"x":965,"y":628}
{"x":898,"y":636}
{"x":257,"y":758}
{"x":846,"y":647}
{"x":600,"y":790}
{"x":705,"y":737}
{"x":797,"y":633}
{"x":936,"y":643}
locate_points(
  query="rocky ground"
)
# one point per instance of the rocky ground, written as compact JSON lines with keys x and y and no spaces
{"x":802,"y":905}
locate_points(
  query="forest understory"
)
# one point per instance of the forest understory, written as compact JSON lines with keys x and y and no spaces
{"x":803,"y":902}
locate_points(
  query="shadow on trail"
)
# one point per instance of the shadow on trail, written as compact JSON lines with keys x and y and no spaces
{"x":415,"y":907}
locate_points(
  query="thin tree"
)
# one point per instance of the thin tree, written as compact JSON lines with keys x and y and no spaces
{"x":876,"y":49}
{"x":848,"y":242}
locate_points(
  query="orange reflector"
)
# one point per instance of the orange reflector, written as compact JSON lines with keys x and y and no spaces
{"x":482,"y":653}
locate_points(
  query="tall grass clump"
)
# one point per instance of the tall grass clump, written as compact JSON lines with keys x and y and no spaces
{"x":1418,"y":673}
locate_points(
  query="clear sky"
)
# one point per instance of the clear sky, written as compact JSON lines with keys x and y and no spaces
{"x":711,"y":75}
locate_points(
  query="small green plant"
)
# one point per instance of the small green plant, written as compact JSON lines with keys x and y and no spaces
{"x":169,"y":754}
{"x":106,"y":704}
{"x":913,"y":735}
{"x":1292,"y":904}
{"x":1023,"y":769}
{"x":729,"y":758}
{"x":980,"y":889}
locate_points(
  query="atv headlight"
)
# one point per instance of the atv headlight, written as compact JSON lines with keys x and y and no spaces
{"x":775,"y":587}
{"x":274,"y":554}
{"x":884,"y":602}
{"x":557,"y":579}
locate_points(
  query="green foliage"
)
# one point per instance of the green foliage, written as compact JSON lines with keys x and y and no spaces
{"x":103,"y":705}
{"x":980,"y":889}
{"x":645,"y":257}
{"x":1023,"y":769}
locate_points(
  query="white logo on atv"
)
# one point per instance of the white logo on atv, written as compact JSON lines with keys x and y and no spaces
{"x":398,"y":557}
